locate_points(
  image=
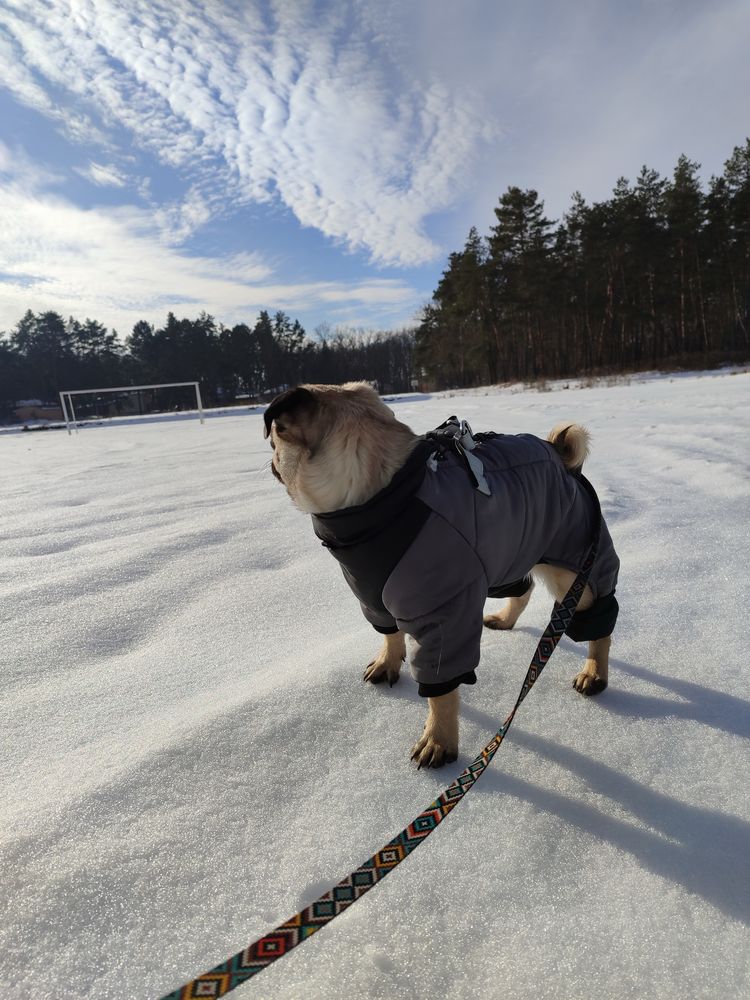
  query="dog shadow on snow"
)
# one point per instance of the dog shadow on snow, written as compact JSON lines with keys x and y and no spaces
{"x":705,"y":705}
{"x":702,"y":849}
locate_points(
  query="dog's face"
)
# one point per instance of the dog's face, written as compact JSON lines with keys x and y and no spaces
{"x":289,"y":424}
{"x":334,"y":445}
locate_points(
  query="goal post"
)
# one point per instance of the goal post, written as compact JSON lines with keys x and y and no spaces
{"x":68,"y":410}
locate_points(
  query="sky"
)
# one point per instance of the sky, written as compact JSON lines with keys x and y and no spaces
{"x":325,"y":158}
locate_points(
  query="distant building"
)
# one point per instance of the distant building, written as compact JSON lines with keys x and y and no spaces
{"x":35,"y":409}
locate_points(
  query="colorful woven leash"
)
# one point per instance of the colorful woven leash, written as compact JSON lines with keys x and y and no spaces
{"x":279,"y":942}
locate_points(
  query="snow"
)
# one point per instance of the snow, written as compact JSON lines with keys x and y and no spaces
{"x":190,"y":755}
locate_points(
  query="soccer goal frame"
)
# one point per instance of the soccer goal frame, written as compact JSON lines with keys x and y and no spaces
{"x":69,"y":412}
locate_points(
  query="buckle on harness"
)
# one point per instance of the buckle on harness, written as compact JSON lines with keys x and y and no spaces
{"x":458,"y":435}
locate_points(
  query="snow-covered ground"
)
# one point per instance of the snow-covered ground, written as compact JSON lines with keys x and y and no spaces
{"x":189,"y":755}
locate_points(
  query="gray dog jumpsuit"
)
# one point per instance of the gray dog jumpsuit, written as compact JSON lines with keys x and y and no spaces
{"x":425,"y":552}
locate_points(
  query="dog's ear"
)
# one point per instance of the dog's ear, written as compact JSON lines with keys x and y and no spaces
{"x":294,"y":403}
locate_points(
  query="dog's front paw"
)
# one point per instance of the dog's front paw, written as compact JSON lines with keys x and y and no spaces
{"x":387,"y":664}
{"x":588,"y":681}
{"x":381,"y":669}
{"x":428,"y":752}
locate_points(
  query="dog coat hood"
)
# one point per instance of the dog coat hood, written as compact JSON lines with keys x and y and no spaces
{"x":423,"y":554}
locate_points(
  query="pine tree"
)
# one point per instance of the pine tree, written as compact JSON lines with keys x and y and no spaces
{"x":737,"y":177}
{"x":685,"y":215}
{"x":45,"y":342}
{"x":519,"y":262}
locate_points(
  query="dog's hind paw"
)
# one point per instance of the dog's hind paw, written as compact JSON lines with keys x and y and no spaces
{"x":498,"y":621}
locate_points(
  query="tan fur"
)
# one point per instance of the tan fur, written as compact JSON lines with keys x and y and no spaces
{"x":387,"y":664}
{"x":438,"y":744}
{"x":340,"y":458}
{"x":595,"y":674}
{"x":336,"y":447}
{"x":507,"y":617}
{"x":571,"y":441}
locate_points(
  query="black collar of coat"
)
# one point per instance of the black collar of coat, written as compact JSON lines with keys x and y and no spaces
{"x":352,"y":526}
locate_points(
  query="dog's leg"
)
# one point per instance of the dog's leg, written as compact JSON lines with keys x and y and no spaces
{"x":438,"y":744}
{"x":595,"y":674}
{"x":507,"y":617}
{"x":387,"y":664}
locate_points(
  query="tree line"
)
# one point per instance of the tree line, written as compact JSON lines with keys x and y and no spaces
{"x":46,"y":353}
{"x":657,"y":275}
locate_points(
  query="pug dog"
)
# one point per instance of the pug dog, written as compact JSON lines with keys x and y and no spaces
{"x":424,"y":534}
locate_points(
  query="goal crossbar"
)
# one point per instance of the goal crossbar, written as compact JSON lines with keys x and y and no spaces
{"x":69,"y":411}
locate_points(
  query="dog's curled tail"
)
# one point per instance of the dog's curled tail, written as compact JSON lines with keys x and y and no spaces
{"x":571,"y":442}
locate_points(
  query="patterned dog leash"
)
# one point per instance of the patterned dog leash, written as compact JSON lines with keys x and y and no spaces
{"x":279,"y":942}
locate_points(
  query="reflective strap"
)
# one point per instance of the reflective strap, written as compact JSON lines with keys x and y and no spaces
{"x":477,"y":471}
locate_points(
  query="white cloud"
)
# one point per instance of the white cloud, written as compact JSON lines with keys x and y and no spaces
{"x":178,"y":220}
{"x":115,"y":265}
{"x":16,"y":163}
{"x":103,"y":175}
{"x":304,"y":106}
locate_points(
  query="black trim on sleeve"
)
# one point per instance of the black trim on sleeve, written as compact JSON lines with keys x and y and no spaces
{"x":595,"y":622}
{"x":435,"y":690}
{"x":385,"y":629}
{"x":515,"y":589}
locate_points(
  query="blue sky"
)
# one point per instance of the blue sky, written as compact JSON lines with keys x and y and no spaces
{"x":325,"y":158}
